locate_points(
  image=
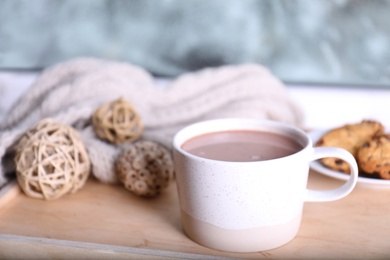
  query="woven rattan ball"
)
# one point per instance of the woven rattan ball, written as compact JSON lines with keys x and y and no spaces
{"x":145,"y":168}
{"x":51,"y":161}
{"x":117,"y":122}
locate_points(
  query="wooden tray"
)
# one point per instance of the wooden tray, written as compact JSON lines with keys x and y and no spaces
{"x":106,"y":221}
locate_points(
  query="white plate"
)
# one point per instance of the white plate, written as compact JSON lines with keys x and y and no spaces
{"x":318,"y":167}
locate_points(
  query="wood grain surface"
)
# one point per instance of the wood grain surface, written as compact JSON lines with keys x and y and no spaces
{"x":103,"y":220}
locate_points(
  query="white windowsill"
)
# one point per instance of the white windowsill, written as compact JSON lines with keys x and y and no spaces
{"x":327,"y":107}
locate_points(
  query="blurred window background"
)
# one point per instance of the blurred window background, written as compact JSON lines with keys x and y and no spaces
{"x":330,"y":42}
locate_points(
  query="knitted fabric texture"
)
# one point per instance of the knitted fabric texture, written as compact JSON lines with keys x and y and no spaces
{"x":71,"y":91}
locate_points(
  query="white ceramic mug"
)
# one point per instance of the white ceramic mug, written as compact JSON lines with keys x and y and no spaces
{"x":249,"y":206}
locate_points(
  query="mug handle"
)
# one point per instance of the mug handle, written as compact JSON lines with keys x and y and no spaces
{"x":346,"y":188}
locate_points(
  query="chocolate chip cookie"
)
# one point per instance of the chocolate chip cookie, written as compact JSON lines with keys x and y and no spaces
{"x":374,"y":156}
{"x":350,"y":137}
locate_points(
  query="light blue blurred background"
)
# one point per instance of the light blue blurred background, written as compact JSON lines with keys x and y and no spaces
{"x":301,"y":41}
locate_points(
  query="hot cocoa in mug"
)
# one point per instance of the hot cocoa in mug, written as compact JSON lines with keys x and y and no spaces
{"x":242,"y":183}
{"x":241,"y":145}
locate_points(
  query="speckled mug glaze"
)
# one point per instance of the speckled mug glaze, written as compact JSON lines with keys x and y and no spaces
{"x":249,"y":206}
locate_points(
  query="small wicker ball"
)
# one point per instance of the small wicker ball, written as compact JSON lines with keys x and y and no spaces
{"x":51,"y":161}
{"x":117,"y":122}
{"x":145,"y":168}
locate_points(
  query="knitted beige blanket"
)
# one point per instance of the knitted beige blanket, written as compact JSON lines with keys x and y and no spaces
{"x":71,"y":91}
